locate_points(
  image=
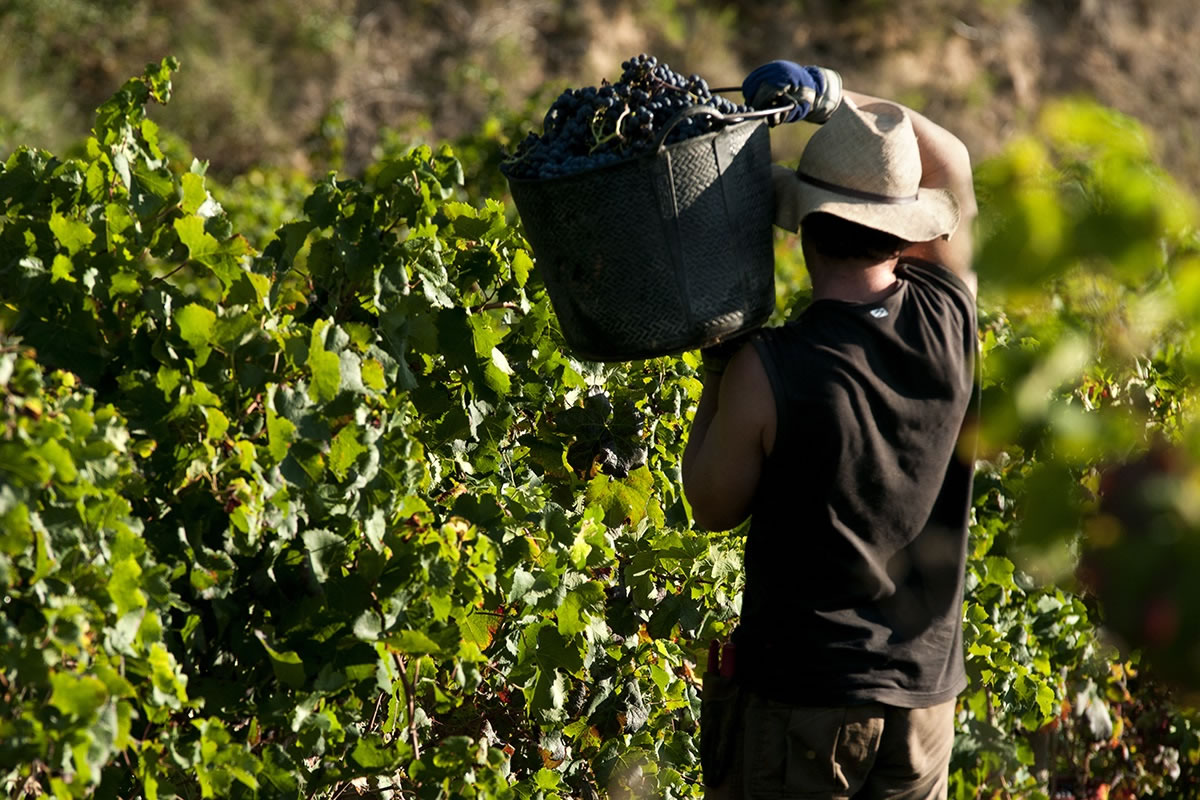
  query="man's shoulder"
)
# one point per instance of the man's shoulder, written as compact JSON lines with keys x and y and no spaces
{"x":790,"y":340}
{"x":939,"y":274}
{"x":947,"y":290}
{"x":936,"y":275}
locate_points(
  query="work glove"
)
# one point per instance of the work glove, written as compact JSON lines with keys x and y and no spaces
{"x":816,"y":91}
{"x":717,"y":356}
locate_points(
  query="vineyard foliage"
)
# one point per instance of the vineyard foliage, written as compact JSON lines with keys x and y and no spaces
{"x":331,"y":510}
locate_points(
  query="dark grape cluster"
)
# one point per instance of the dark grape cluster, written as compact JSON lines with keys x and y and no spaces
{"x":595,"y":126}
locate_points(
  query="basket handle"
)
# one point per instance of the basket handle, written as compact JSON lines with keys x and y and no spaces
{"x":692,"y":111}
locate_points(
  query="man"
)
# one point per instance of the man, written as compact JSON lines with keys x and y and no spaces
{"x":843,"y":438}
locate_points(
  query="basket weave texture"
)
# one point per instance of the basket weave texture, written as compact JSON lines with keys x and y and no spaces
{"x":667,"y":252}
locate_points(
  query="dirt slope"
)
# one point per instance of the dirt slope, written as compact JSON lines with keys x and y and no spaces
{"x":259,"y":80}
{"x":984,"y":67}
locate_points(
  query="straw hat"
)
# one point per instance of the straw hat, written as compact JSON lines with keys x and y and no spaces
{"x":863,"y":165}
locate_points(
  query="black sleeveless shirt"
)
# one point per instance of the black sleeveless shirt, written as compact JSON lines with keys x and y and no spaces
{"x":858,"y":535}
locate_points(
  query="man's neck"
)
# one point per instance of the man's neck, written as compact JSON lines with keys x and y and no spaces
{"x":853,"y":282}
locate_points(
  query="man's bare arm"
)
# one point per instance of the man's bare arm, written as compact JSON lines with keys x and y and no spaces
{"x":945,"y":164}
{"x":732,"y":433}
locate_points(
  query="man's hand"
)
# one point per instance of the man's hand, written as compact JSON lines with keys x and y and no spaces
{"x":716,"y":357}
{"x":816,"y":91}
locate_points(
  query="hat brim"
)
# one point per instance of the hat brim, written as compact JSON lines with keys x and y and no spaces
{"x":934,"y":214}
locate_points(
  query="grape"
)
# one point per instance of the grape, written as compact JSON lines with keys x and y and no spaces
{"x":595,"y":126}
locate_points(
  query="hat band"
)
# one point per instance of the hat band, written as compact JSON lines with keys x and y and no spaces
{"x":856,"y":193}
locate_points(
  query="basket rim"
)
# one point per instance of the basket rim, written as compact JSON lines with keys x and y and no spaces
{"x":640,"y":157}
{"x":670,"y":347}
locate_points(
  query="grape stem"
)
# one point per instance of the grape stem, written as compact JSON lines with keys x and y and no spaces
{"x":660,"y":83}
{"x":598,"y":127}
{"x":515,"y":158}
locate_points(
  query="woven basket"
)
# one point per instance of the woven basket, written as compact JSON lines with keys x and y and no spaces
{"x":666,"y":252}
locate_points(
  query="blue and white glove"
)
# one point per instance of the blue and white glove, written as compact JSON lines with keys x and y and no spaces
{"x":816,"y":91}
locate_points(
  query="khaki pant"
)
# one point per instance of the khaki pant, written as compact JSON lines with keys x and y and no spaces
{"x":869,"y":752}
